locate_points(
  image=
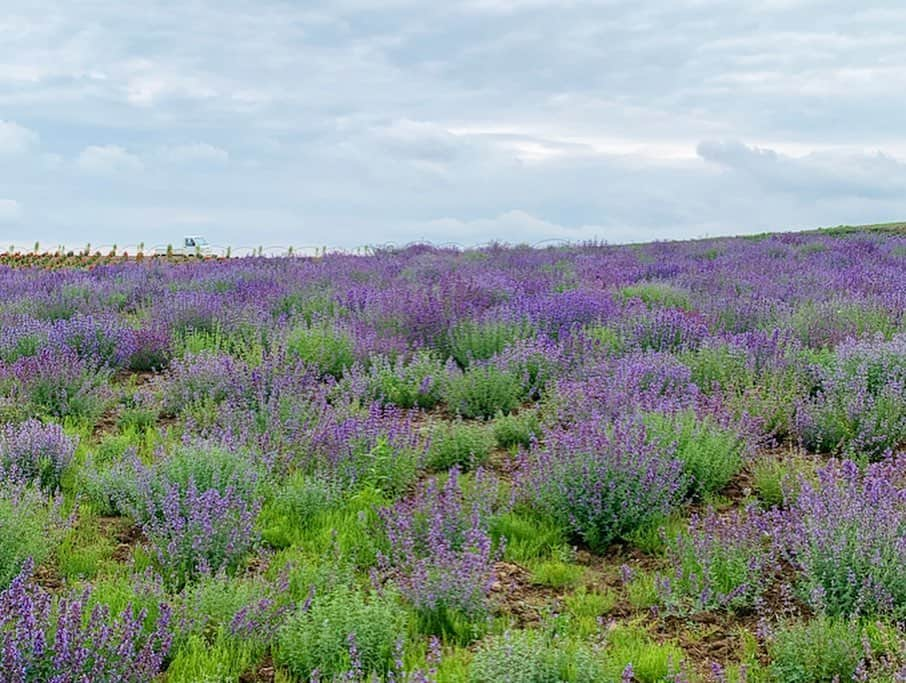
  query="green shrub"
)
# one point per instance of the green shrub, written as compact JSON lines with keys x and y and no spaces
{"x":295,"y":507}
{"x":711,"y":454}
{"x":776,"y":480}
{"x":329,"y":350}
{"x":472,"y":341}
{"x":517,"y":429}
{"x":722,"y":367}
{"x":822,"y":649}
{"x":533,"y":657}
{"x":319,"y":638}
{"x":658,"y":294}
{"x":417,"y":383}
{"x":246,"y":342}
{"x":29,"y":528}
{"x":484,"y":391}
{"x":650,"y":662}
{"x":462,"y":444}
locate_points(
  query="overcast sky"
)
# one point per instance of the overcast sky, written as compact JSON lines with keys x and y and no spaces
{"x":359,"y":122}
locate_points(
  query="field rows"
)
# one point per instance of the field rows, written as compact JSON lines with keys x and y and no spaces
{"x":664,"y":462}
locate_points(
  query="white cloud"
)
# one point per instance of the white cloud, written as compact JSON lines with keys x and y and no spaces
{"x":15,"y":139}
{"x":195,"y":152}
{"x":825,"y":173}
{"x":106,"y":159}
{"x":350,"y":121}
{"x":10,"y":211}
{"x":515,"y":226}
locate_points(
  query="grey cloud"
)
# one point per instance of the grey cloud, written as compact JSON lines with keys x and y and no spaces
{"x":15,"y":139}
{"x":349,"y":121}
{"x":826,"y":174}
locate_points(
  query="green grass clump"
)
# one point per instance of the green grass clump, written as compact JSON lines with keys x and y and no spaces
{"x":320,"y":637}
{"x":517,"y":429}
{"x":484,"y":391}
{"x":472,"y":341}
{"x":216,"y":660}
{"x":460,"y":443}
{"x":533,"y":657}
{"x":776,"y":480}
{"x":295,"y":507}
{"x":711,"y":454}
{"x":658,"y":294}
{"x":650,"y":662}
{"x":529,"y":536}
{"x":556,"y":574}
{"x":330,"y":351}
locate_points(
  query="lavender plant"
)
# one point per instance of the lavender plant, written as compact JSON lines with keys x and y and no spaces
{"x":35,"y":452}
{"x":195,"y":532}
{"x":441,"y":551}
{"x":724,"y":561}
{"x":31,"y":528}
{"x":47,"y":639}
{"x":601,"y":480}
{"x":847,"y":535}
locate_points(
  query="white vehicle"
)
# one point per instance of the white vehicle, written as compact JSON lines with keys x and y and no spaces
{"x":195,"y":244}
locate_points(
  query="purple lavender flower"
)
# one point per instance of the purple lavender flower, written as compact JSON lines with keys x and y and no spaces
{"x":42,"y":638}
{"x":441,"y":551}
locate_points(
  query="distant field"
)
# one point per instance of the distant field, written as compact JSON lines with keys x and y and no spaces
{"x":678,"y":461}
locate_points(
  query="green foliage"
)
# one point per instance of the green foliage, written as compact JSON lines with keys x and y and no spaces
{"x":30,"y":527}
{"x":418,"y":383}
{"x":653,"y":536}
{"x":246,"y":342}
{"x":351,"y":532}
{"x":330,"y":350}
{"x":605,"y":337}
{"x":821,"y":649}
{"x":295,"y":508}
{"x":584,"y":603}
{"x":460,"y":443}
{"x":199,"y":660}
{"x":84,"y":550}
{"x":533,"y":657}
{"x":517,"y":429}
{"x":120,"y":591}
{"x":711,"y":454}
{"x":641,"y":590}
{"x":651,"y":662}
{"x":657,"y":294}
{"x":484,"y":391}
{"x":472,"y":341}
{"x":529,"y":536}
{"x":722,"y":367}
{"x":776,"y":480}
{"x":556,"y":574}
{"x":319,"y":637}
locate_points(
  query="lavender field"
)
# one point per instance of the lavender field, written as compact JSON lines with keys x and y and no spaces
{"x":665,"y":462}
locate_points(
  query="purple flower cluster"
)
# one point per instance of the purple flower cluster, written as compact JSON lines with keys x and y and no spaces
{"x":601,"y":479}
{"x":53,"y":382}
{"x":724,"y":561}
{"x":200,"y":532}
{"x":441,"y":552}
{"x":847,"y":536}
{"x":860,"y":403}
{"x":61,"y":641}
{"x":34,"y":451}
